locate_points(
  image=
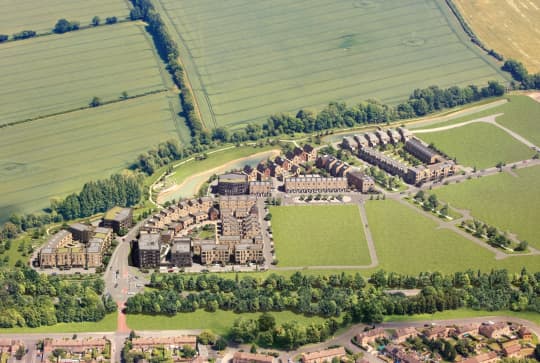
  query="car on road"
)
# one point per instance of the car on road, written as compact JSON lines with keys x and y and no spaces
{"x":115,"y":285}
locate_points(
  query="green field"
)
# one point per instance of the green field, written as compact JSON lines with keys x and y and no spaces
{"x":479,"y":144}
{"x":108,"y":324}
{"x":464,"y":314}
{"x":247,"y":60}
{"x":34,"y":15}
{"x":507,"y":202}
{"x":319,"y":236}
{"x":51,"y":74}
{"x":408,"y":242}
{"x":219,"y":321}
{"x":54,"y":156}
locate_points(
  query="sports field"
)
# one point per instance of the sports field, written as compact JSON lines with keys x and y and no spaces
{"x":408,"y":242}
{"x":249,"y":59}
{"x":319,"y":236}
{"x":54,"y":156}
{"x":505,"y":201}
{"x":34,"y":15}
{"x":50,"y":74}
{"x":479,"y":144}
{"x":510,"y":27}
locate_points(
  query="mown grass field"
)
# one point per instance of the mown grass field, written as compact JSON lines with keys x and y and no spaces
{"x":108,"y":324}
{"x":520,"y":114}
{"x":408,"y":242}
{"x":509,"y":27}
{"x":479,"y":144}
{"x":52,"y":157}
{"x":219,"y":321}
{"x":51,"y":74}
{"x":319,"y":236}
{"x":507,"y":202}
{"x":247,"y":60}
{"x":34,"y":15}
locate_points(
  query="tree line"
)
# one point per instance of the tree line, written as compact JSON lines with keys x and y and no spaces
{"x":520,"y":74}
{"x":340,"y":295}
{"x":28,"y":299}
{"x":168,"y":50}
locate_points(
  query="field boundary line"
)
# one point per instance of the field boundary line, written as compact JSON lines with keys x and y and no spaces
{"x":37,"y":118}
{"x":183,"y":48}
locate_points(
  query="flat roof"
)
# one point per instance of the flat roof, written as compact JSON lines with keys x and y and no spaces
{"x":149,"y":241}
{"x":181,"y":247}
{"x":117,"y":213}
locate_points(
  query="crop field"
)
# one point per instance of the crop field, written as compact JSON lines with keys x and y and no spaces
{"x":249,"y":59}
{"x":479,"y":144}
{"x":505,"y":201}
{"x":408,"y":242}
{"x":20,"y":15}
{"x":509,"y":27}
{"x":55,"y":156}
{"x":319,"y":236}
{"x":51,"y":74}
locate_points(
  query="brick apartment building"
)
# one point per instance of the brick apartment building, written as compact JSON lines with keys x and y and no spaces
{"x":118,"y":218}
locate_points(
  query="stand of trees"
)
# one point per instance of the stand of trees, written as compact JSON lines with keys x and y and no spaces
{"x":340,"y":295}
{"x":30,"y":299}
{"x":521,"y":75}
{"x":24,"y":34}
{"x":64,"y":26}
{"x":99,"y":196}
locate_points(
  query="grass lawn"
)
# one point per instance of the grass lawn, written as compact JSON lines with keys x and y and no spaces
{"x":522,"y":115}
{"x":219,"y":322}
{"x":108,"y":324}
{"x":319,"y":236}
{"x":215,"y":160}
{"x":463,"y":314}
{"x":481,"y":145}
{"x":408,"y":242}
{"x":507,"y":202}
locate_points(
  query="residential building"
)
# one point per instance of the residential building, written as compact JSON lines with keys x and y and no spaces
{"x":361,"y":140}
{"x":232,"y":184}
{"x":421,"y":151}
{"x":77,"y":346}
{"x":310,"y":153}
{"x":421,"y":174}
{"x":285,"y":164}
{"x":263,"y":171}
{"x":511,"y":349}
{"x":383,"y":137}
{"x":9,"y":346}
{"x":395,"y":136}
{"x":398,"y":354}
{"x":315,"y":184}
{"x":237,"y":205}
{"x":81,"y":232}
{"x":260,"y":188}
{"x":181,"y":252}
{"x":276,"y":171}
{"x":118,"y":218}
{"x":402,"y":334}
{"x":186,"y":221}
{"x":495,"y":331}
{"x":250,"y":252}
{"x":384,"y":162}
{"x":360,"y":181}
{"x":145,"y":343}
{"x":211,"y":254}
{"x":369,"y":337}
{"x":250,"y":172}
{"x":244,"y":357}
{"x":321,"y":356}
{"x":372,"y":139}
{"x":405,"y":134}
{"x":349,"y":143}
{"x":48,"y":255}
{"x":462,"y":331}
{"x":524,"y":333}
{"x":148,"y":250}
{"x":436,"y":332}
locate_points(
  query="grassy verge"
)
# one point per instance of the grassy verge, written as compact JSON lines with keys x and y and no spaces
{"x":219,"y":322}
{"x":108,"y":324}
